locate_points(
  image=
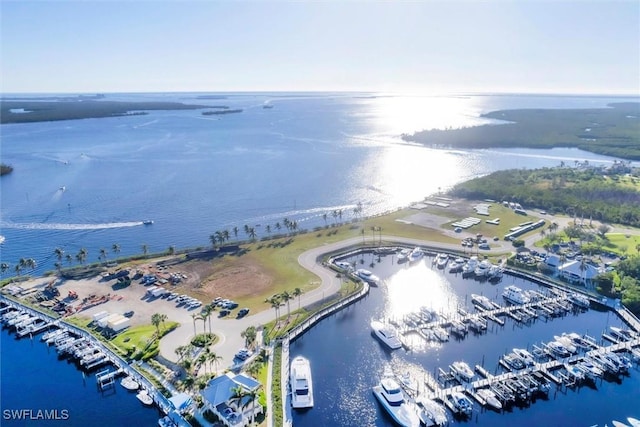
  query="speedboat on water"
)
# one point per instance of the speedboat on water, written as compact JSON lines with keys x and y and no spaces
{"x":462,"y":371}
{"x":301,"y":383}
{"x":387,"y":334}
{"x":368,"y":276}
{"x":147,"y":222}
{"x":392,"y":399}
{"x":431,"y":412}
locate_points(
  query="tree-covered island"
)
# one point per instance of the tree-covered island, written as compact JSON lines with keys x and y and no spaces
{"x":613,"y":131}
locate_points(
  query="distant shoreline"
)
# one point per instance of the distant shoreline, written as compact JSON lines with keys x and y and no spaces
{"x":612,"y":131}
{"x":32,"y":111}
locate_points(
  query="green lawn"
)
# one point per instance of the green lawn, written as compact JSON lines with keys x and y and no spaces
{"x":624,"y":243}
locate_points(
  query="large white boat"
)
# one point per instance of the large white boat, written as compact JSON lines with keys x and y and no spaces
{"x":461,"y":403}
{"x":431,"y":412}
{"x":368,"y":276}
{"x":301,"y":383}
{"x":392,"y":399}
{"x":482,"y":301}
{"x":482,"y":268}
{"x":129,"y":383}
{"x":490,"y":398}
{"x":387,"y":334}
{"x":441,"y":260}
{"x":143,"y":396}
{"x":526,"y":357}
{"x":462,"y":371}
{"x":515,"y":295}
{"x":415,"y":255}
{"x":470,"y":266}
{"x":580,"y":300}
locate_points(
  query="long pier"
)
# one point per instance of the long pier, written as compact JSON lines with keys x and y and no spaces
{"x":436,"y":391}
{"x":520,"y":313}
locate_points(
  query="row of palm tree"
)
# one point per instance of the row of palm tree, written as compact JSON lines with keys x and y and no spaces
{"x":280,"y":299}
{"x":157,"y":319}
{"x":23,"y":264}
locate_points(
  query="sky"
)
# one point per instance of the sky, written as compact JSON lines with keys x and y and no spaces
{"x":425,"y":47}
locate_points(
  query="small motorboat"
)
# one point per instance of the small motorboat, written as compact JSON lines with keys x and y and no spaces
{"x":147,"y":222}
{"x":129,"y":383}
{"x":143,"y":396}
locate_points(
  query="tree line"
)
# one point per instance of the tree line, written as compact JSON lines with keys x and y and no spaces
{"x":579,"y":192}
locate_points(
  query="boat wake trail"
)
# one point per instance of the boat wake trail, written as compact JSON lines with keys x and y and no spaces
{"x":54,"y":226}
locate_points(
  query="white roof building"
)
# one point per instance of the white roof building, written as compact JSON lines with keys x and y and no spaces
{"x":577,"y":271}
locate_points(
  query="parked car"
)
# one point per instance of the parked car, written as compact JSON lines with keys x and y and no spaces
{"x":128,"y":314}
{"x":223,"y":313}
{"x":242,"y":312}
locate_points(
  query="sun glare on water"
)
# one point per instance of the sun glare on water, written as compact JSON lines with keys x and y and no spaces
{"x":417,"y":286}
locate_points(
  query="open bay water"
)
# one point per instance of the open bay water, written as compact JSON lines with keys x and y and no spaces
{"x":347,"y":360}
{"x":33,"y":378}
{"x":90,"y":183}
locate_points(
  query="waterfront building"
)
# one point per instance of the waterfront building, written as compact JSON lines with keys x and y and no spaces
{"x":221,"y":397}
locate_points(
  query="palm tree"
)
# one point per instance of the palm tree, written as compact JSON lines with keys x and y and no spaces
{"x":206,"y":313}
{"x":4,"y":267}
{"x":81,"y":256}
{"x":296,"y":293}
{"x":225,"y":235}
{"x":252,"y":233}
{"x":239,"y":393}
{"x":249,"y":335}
{"x":115,"y":248}
{"x":275,"y":304}
{"x":58,"y":266}
{"x":68,"y":258}
{"x":155,"y":321}
{"x":145,"y":249}
{"x":235,"y":232}
{"x":202,"y":360}
{"x":30,"y":263}
{"x":286,"y":297}
{"x":103,"y":254}
{"x":171,"y":250}
{"x":278,"y":226}
{"x":268,"y":228}
{"x":324,"y":216}
{"x":17,"y":269}
{"x":214,"y":359}
{"x":59,"y":253}
{"x":212,"y":239}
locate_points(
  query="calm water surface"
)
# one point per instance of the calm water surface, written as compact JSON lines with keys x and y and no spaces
{"x":90,"y":183}
{"x":347,"y":360}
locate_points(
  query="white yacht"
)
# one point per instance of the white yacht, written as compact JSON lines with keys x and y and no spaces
{"x":403,"y":255}
{"x":441,"y":260}
{"x":368,"y":276}
{"x":482,"y":269}
{"x":515,"y":295}
{"x":461,"y":403}
{"x":129,"y":383}
{"x":456,"y":265}
{"x":470,"y":266}
{"x":387,"y":334}
{"x":431,"y":412}
{"x":526,"y":357}
{"x":580,"y":300}
{"x":392,"y":399}
{"x":301,"y":383}
{"x":558,"y":349}
{"x":462,"y":371}
{"x":416,"y":254}
{"x":566,"y":342}
{"x":143,"y":396}
{"x":490,"y":398}
{"x":482,"y":301}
